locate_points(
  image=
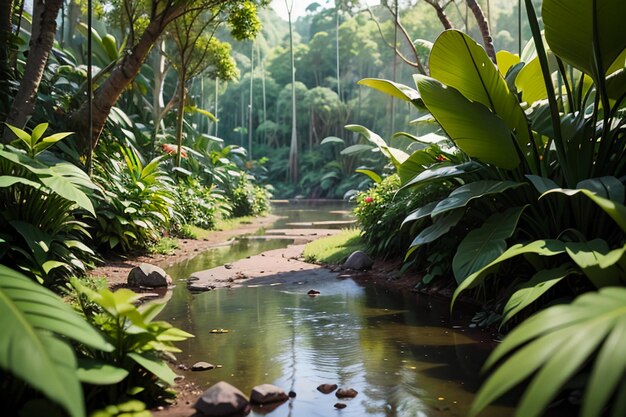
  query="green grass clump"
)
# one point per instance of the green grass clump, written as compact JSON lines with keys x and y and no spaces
{"x":334,"y":249}
{"x":230,"y":224}
{"x":165,"y":246}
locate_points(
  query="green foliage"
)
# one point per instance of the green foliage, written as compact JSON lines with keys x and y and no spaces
{"x":243,"y":20}
{"x":198,"y":204}
{"x":594,"y":326}
{"x":139,"y":342}
{"x":139,"y":201}
{"x":381,"y":209}
{"x":164,"y":246}
{"x":333,"y":249}
{"x":34,"y":348}
{"x":248,"y":199}
{"x":43,"y":200}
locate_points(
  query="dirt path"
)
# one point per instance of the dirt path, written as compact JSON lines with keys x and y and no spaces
{"x":116,"y":270}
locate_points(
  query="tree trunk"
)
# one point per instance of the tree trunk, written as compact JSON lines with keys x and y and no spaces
{"x":179,"y":117}
{"x":158,"y":66}
{"x":251,"y":107}
{"x":337,"y":52}
{"x":441,"y":14}
{"x":120,"y":78}
{"x":293,"y":148}
{"x":483,"y":26}
{"x":6,"y":11}
{"x":41,"y":41}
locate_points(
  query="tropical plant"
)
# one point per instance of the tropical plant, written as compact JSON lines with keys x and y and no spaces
{"x":43,"y":200}
{"x":35,"y":352}
{"x":140,"y":345}
{"x":138,"y":204}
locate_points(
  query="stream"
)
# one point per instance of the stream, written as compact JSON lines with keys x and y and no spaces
{"x":398,"y":350}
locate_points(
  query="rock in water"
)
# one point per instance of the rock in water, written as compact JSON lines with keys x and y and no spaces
{"x":221,"y":399}
{"x":267,"y":393}
{"x":346,"y":393}
{"x":358,"y":261}
{"x":146,"y":275}
{"x":339,"y":406}
{"x":327,"y":388}
{"x":202,"y":366}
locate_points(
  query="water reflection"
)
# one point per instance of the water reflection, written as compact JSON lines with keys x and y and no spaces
{"x":395,"y":349}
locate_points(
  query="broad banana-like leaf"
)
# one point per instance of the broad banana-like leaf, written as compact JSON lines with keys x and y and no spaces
{"x":441,"y":225}
{"x":588,"y":256}
{"x":30,"y":316}
{"x":506,"y":60}
{"x":414,"y":165}
{"x":528,"y":81}
{"x":548,"y":247}
{"x":587,"y":34}
{"x":444,"y":172}
{"x":371,"y":174}
{"x":554,"y":345}
{"x":483,"y":245}
{"x":528,"y":292}
{"x":358,"y":148}
{"x":615,"y":210}
{"x":606,"y":187}
{"x":396,"y":156}
{"x":459,"y":62}
{"x":461,"y":196}
{"x":480,"y":133}
{"x":332,"y":139}
{"x":397,"y":90}
{"x":420,"y":213}
{"x":616,"y":84}
{"x":542,"y":184}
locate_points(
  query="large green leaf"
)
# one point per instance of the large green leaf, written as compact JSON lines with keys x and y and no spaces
{"x":96,"y":372}
{"x":606,"y":187}
{"x":580,"y":31}
{"x":528,"y":292}
{"x":589,"y":256}
{"x":393,"y":89}
{"x":459,"y":62}
{"x":29,"y":316}
{"x":615,"y":210}
{"x":483,"y":245}
{"x":154,"y":365}
{"x":548,"y":247}
{"x":555,"y":344}
{"x":444,"y":173}
{"x":441,"y":225}
{"x":396,"y":156}
{"x":414,"y":165}
{"x":461,"y":196}
{"x":472,"y":126}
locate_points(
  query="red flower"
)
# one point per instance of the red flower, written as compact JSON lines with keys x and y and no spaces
{"x":441,"y":158}
{"x":368,"y":199}
{"x":173,"y":150}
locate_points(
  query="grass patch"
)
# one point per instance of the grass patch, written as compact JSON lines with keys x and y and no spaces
{"x":230,"y":224}
{"x":334,"y":249}
{"x":165,"y":246}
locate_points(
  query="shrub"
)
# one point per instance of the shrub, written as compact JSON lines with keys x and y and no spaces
{"x":381,"y":210}
{"x":200,"y":205}
{"x":43,"y":200}
{"x":249,"y":199}
{"x":138,"y":204}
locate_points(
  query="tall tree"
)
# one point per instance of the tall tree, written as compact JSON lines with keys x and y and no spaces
{"x":293,"y":148}
{"x":42,"y":38}
{"x":158,"y":14}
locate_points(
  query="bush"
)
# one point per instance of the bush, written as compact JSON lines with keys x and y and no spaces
{"x":249,"y":199}
{"x":139,"y":202}
{"x":381,"y":210}
{"x":200,"y":205}
{"x":43,"y":200}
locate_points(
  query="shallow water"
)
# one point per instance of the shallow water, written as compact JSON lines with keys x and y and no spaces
{"x":397,"y":350}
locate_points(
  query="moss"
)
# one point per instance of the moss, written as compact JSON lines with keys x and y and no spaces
{"x":334,"y":249}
